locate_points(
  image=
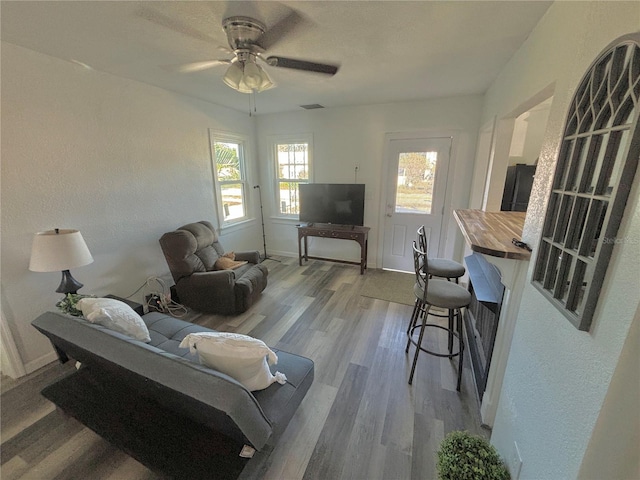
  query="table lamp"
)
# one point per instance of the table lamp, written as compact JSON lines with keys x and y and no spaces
{"x":60,"y":250}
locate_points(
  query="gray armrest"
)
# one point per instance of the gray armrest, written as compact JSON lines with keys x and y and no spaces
{"x":250,"y":256}
{"x":218,"y":279}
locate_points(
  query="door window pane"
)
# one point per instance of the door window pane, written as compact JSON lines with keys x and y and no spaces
{"x":416,"y":177}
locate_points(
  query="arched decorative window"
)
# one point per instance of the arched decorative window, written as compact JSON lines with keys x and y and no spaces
{"x":594,"y":173}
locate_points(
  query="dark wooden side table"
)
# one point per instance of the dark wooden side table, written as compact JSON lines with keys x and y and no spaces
{"x":342,"y":232}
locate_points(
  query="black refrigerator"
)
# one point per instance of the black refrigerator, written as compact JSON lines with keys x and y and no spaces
{"x":517,"y":188}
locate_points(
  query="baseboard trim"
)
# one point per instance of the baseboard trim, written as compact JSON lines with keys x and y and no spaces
{"x":281,"y":253}
{"x":40,"y":362}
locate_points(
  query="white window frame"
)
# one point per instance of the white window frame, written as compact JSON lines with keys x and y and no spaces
{"x":596,"y":164}
{"x":288,"y":139}
{"x":242,"y":141}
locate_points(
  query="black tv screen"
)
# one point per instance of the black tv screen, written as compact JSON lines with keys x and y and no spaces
{"x":337,"y":203}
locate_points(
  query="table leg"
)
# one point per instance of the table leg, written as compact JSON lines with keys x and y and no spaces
{"x":299,"y":251}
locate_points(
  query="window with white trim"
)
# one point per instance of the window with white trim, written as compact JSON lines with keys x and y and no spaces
{"x":292,"y":158}
{"x":229,"y":176}
{"x":594,"y":174}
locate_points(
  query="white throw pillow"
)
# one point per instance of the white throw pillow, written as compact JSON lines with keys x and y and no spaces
{"x":242,"y":357}
{"x":114,"y":315}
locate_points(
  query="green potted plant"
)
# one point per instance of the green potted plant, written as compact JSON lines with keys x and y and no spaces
{"x":68,"y":304}
{"x":463,"y":456}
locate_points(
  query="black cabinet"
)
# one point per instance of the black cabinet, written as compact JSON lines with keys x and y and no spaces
{"x":517,"y":188}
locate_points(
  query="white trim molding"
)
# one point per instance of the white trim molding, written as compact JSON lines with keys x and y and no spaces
{"x":12,"y":365}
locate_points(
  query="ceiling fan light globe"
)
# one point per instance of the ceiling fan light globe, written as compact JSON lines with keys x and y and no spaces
{"x":252,"y":75}
{"x":266,"y":83}
{"x":233,"y":76}
{"x":244,"y":88}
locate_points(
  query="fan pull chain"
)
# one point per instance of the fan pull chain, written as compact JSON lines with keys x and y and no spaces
{"x":253,"y":94}
{"x":252,"y":103}
{"x":252,"y":99}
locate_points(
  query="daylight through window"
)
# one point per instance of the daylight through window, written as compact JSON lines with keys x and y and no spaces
{"x":230,"y":179}
{"x":292,"y":166}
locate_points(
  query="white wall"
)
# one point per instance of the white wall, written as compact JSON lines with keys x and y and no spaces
{"x":345,"y":136}
{"x":557,"y":377}
{"x":613,"y":447}
{"x":121,"y":161}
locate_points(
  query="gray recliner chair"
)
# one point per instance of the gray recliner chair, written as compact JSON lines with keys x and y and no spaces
{"x":191,"y":252}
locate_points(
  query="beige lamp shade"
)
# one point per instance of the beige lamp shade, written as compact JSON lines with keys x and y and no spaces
{"x":58,"y":250}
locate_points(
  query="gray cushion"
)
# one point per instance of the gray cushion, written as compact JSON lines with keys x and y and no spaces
{"x":203,"y":232}
{"x":444,"y":294}
{"x":275,"y":398}
{"x":208,"y":256}
{"x":442,"y":267}
{"x":166,"y":334}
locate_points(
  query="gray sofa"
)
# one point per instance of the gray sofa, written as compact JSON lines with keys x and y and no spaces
{"x":122,"y":377}
{"x":191,"y":252}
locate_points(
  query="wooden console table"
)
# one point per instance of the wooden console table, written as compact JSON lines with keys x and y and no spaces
{"x":344,"y":232}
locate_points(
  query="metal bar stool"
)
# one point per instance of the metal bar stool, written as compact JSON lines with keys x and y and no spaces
{"x":436,"y":293}
{"x":439,"y":267}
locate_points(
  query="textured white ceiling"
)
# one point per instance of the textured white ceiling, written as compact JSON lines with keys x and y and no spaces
{"x":388,"y":51}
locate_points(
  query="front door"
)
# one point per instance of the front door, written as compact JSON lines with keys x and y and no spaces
{"x":417,"y":181}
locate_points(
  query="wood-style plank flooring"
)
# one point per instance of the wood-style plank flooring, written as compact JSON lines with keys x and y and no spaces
{"x":359,"y":420}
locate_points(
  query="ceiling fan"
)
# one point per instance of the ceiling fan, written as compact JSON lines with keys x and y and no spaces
{"x":248,"y":41}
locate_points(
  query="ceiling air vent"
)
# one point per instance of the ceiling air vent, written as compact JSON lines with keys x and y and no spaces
{"x":312,"y":106}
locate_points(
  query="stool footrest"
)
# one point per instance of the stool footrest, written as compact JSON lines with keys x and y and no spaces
{"x":437,"y":354}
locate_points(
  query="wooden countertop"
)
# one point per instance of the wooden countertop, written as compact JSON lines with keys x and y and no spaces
{"x":491,"y":232}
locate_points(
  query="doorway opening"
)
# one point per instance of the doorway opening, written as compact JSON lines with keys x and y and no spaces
{"x":526,"y":143}
{"x":517,"y":139}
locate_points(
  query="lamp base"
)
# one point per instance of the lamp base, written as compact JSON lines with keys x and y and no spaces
{"x":68,"y":284}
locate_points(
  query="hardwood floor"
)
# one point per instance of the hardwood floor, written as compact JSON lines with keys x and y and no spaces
{"x":359,"y":420}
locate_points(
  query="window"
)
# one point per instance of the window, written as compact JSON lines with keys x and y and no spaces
{"x":293,"y":165}
{"x":230,"y":179}
{"x":416,"y":175}
{"x":596,"y":165}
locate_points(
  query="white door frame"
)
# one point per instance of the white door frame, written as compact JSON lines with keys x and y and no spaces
{"x":12,"y":365}
{"x":484,"y":153}
{"x":384,"y":184}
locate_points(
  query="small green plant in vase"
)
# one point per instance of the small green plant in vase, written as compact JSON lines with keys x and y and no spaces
{"x":68,"y":303}
{"x":463,"y":456}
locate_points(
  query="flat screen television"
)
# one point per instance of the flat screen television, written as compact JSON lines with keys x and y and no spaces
{"x":337,"y":203}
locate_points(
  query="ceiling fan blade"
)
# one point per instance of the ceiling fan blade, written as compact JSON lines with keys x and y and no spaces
{"x":197,"y":66}
{"x":302,"y":65}
{"x":283,"y":28}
